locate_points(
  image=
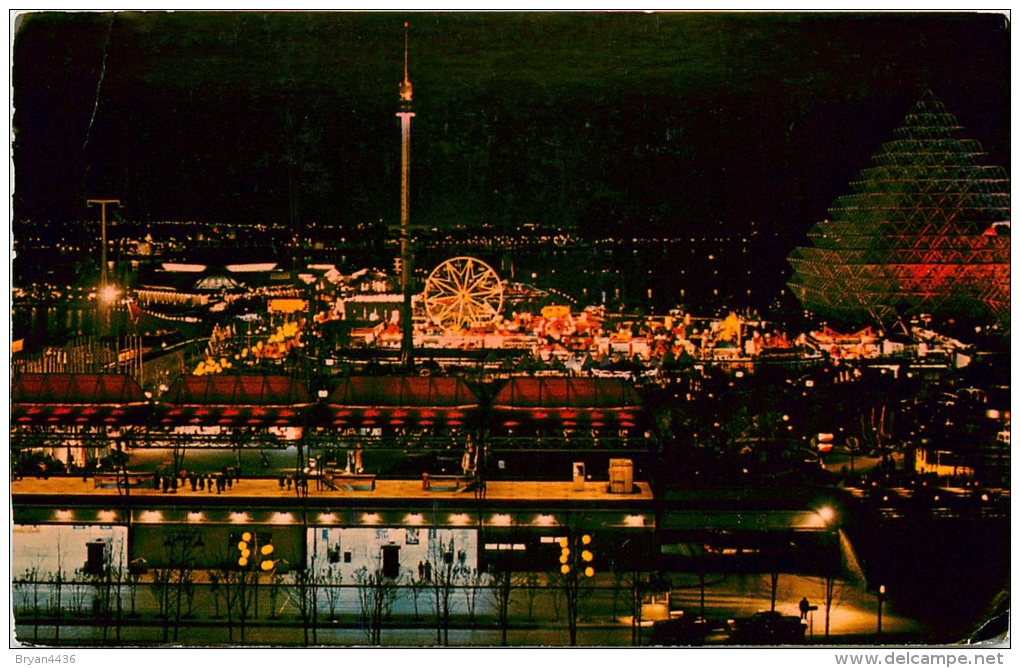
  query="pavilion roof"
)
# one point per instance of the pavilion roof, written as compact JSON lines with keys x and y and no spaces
{"x":237,"y":390}
{"x":560,"y":392}
{"x":235,"y":401}
{"x":404,"y":391}
{"x":77,"y":398}
{"x":401,"y":401}
{"x":76,"y":388}
{"x":567,"y":403}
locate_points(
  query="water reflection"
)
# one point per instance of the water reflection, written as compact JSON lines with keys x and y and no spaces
{"x":45,"y":325}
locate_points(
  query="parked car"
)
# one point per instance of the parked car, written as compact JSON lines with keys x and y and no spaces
{"x":684,"y":630}
{"x":767,"y":628}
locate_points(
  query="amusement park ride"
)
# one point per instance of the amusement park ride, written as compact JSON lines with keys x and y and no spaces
{"x":463,"y":292}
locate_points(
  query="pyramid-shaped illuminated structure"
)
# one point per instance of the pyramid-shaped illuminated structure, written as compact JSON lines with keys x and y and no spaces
{"x":926,"y":231}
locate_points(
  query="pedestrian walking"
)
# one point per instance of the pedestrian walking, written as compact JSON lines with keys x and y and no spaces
{"x":804,"y":607}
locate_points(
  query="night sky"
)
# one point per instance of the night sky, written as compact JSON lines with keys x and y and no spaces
{"x":615,"y":123}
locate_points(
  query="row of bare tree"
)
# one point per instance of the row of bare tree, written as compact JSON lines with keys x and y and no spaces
{"x":232,"y":595}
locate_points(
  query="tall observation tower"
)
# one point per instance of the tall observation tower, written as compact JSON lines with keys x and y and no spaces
{"x":405,"y":114}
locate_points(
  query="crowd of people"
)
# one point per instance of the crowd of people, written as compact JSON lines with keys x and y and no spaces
{"x":217,"y":482}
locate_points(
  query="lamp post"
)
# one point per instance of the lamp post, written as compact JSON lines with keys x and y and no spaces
{"x":257,"y":558}
{"x":575,"y":562}
{"x":102,"y":203}
{"x":830,"y":519}
{"x":105,"y":294}
{"x":881,"y":599}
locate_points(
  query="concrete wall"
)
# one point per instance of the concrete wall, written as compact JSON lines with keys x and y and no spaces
{"x":214,"y":545}
{"x":52,"y":548}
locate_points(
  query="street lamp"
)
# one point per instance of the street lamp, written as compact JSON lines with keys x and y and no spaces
{"x":102,"y":203}
{"x":575,"y":561}
{"x":254,"y":557}
{"x":569,"y":555}
{"x":106,"y":297}
{"x":108,"y":293}
{"x":830,"y":520}
{"x":881,"y":598}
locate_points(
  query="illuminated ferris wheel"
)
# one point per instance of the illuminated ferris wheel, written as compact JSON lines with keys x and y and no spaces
{"x":463,"y":292}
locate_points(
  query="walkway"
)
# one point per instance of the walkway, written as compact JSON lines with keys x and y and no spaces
{"x":58,"y":486}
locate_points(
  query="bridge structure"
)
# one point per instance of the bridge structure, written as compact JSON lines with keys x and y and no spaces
{"x":505,"y":501}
